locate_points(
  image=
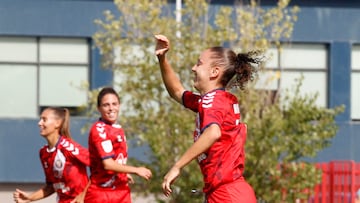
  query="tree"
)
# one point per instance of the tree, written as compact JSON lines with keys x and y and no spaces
{"x":281,"y":130}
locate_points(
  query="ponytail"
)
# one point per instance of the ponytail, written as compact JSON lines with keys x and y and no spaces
{"x":65,"y":127}
{"x":238,"y":68}
{"x":245,"y":69}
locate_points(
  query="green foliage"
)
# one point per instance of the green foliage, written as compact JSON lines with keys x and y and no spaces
{"x":280,"y":132}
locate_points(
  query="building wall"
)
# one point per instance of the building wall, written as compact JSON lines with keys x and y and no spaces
{"x":337,"y":26}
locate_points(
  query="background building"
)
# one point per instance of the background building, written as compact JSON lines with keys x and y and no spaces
{"x":46,"y":54}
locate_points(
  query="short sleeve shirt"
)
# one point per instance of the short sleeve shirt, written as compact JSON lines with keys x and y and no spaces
{"x":224,"y":161}
{"x":65,"y":168}
{"x":107,"y":141}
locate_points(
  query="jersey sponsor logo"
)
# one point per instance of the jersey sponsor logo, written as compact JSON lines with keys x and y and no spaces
{"x":61,"y":186}
{"x":107,"y":146}
{"x":121,"y":159}
{"x":201,"y":157}
{"x":236,"y":108}
{"x":208,"y":99}
{"x":116,"y":125}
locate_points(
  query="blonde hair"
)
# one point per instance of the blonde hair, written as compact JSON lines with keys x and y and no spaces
{"x":64,"y":115}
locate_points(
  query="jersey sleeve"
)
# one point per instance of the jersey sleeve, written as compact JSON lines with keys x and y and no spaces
{"x":80,"y":153}
{"x":212,"y":111}
{"x":101,"y":141}
{"x":191,"y":100}
{"x":75,"y":151}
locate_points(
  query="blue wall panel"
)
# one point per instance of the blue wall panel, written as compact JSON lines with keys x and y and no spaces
{"x":51,"y":18}
{"x":344,"y":145}
{"x":327,"y":25}
{"x":20,"y":143}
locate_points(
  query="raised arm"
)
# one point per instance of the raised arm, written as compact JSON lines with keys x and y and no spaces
{"x":170,"y":79}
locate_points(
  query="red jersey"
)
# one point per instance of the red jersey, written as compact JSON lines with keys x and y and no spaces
{"x":224,"y":161}
{"x":65,"y":168}
{"x":107,"y":141}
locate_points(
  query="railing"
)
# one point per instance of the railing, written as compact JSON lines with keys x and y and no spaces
{"x":340,"y":181}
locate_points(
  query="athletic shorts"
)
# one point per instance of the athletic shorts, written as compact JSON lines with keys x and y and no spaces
{"x":97,"y":194}
{"x":238,"y":191}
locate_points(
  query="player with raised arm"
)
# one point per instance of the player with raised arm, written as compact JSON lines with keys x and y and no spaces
{"x":220,"y":136}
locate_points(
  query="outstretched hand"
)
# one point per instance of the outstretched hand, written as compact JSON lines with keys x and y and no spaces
{"x":169,"y":179}
{"x":162,"y":45}
{"x":144,"y":172}
{"x":21,"y":196}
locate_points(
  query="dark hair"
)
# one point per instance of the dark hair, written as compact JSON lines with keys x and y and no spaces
{"x":105,"y":91}
{"x":239,"y":65}
{"x":64,"y":115}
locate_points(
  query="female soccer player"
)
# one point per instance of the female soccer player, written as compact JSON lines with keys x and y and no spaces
{"x":64,"y":161}
{"x":219,"y":136}
{"x":108,"y":155}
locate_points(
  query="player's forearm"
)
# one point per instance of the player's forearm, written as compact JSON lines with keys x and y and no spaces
{"x":42,"y":193}
{"x":111,"y":165}
{"x":205,"y":141}
{"x":171,"y":81}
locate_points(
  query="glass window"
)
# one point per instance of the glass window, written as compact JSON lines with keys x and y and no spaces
{"x":40,"y":72}
{"x":59,"y":50}
{"x":292,"y":62}
{"x":18,"y":90}
{"x":355,"y":83}
{"x":18,"y":49}
{"x":68,"y":79}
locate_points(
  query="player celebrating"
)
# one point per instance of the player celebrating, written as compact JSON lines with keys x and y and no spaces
{"x":64,"y":161}
{"x":108,"y":155}
{"x":219,"y":136}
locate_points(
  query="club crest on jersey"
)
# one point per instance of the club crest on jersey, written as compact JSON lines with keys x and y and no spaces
{"x":58,"y":164}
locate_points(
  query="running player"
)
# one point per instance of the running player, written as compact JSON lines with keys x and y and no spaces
{"x":108,"y":155}
{"x":219,"y":137}
{"x":64,"y":161}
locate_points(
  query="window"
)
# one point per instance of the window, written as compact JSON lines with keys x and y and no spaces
{"x":355,"y":82}
{"x":294,"y":61}
{"x":40,"y":72}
